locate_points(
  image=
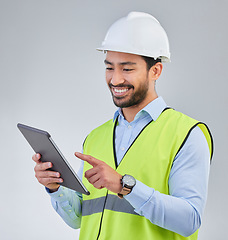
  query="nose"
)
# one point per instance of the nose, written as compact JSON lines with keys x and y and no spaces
{"x":117,"y":77}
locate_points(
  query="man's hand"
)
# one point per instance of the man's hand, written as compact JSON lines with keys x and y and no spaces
{"x":49,"y":179}
{"x":101,"y":175}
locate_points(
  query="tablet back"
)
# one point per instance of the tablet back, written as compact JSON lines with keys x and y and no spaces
{"x":42,"y":143}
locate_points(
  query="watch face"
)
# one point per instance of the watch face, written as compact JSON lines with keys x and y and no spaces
{"x":129,"y":181}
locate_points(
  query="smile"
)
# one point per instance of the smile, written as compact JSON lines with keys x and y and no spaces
{"x":119,"y":91}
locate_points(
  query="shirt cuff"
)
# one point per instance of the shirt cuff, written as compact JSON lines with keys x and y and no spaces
{"x":58,"y":195}
{"x":49,"y":191}
{"x":139,"y":195}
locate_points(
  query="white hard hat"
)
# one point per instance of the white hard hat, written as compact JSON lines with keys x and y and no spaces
{"x":138,"y":33}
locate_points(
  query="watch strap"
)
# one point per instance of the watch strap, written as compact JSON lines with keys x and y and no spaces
{"x":124,"y":192}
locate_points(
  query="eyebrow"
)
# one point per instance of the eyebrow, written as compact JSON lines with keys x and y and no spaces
{"x":122,"y":63}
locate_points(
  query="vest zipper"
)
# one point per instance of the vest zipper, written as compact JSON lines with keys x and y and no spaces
{"x":99,"y":232}
{"x":114,"y":153}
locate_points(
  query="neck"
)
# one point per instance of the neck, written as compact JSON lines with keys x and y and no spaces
{"x":130,"y":112}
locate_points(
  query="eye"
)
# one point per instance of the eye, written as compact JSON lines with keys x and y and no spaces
{"x":128,"y":69}
{"x":109,"y":68}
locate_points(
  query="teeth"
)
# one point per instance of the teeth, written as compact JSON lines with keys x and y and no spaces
{"x":120,"y":90}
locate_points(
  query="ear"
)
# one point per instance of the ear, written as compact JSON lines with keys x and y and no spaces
{"x":155,"y":71}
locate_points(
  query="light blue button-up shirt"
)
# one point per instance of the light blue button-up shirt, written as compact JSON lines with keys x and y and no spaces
{"x":181,"y":211}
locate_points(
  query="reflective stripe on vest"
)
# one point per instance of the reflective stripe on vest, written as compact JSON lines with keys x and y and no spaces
{"x":112,"y":203}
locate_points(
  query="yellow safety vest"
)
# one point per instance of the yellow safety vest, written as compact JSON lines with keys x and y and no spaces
{"x":149,"y":160}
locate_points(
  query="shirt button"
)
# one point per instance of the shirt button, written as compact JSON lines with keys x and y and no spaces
{"x":122,"y":148}
{"x":61,"y":195}
{"x":129,"y":126}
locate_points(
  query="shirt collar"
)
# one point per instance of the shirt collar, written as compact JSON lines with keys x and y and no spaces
{"x":154,"y":109}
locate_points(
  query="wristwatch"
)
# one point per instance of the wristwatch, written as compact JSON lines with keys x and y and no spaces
{"x":128,"y":182}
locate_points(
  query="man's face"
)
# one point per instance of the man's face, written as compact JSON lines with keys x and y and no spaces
{"x":127,"y":78}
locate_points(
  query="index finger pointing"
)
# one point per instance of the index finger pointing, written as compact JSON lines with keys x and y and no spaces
{"x":91,"y":160}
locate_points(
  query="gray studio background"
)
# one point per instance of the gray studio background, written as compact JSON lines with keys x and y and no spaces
{"x":51,"y":77}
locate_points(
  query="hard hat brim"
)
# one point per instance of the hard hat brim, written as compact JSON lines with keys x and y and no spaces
{"x":164,"y":59}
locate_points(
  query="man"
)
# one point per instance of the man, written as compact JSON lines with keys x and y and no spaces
{"x":147,"y":168}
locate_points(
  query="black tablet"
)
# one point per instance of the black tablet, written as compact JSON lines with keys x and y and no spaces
{"x":42,"y":143}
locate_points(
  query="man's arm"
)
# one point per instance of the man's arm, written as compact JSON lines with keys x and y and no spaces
{"x":181,"y":211}
{"x":66,"y":202}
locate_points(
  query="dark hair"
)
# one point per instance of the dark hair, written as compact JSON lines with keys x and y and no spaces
{"x":150,"y":62}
